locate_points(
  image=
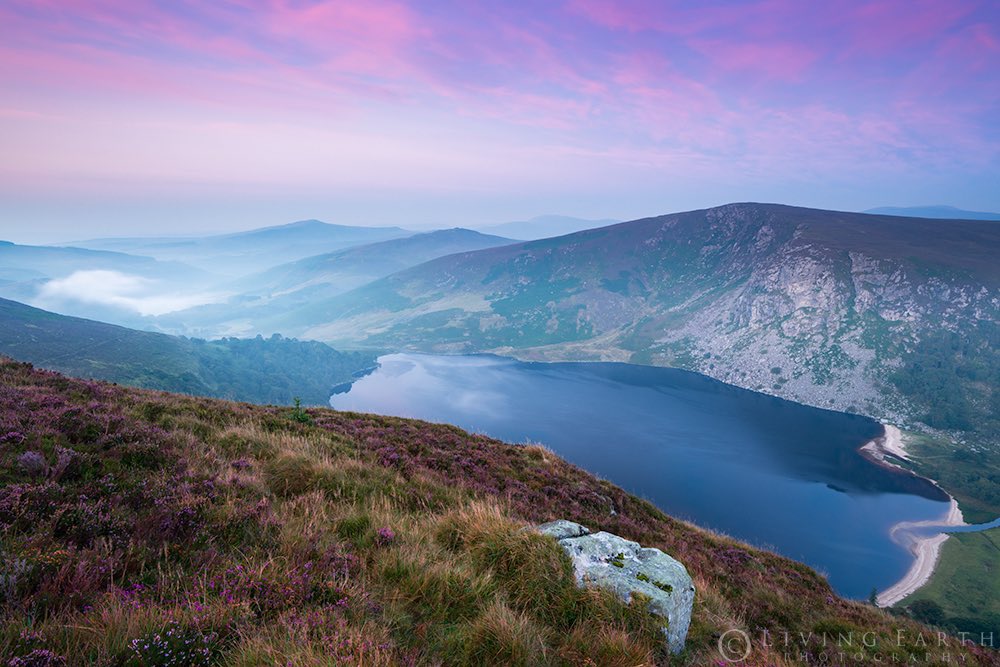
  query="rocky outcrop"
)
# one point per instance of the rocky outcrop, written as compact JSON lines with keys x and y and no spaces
{"x":625,"y":567}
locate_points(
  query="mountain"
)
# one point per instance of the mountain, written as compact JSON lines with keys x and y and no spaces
{"x":260,"y":297}
{"x":544,"y":226}
{"x":342,"y":271}
{"x":26,"y":264}
{"x":110,"y":285}
{"x":259,"y":370}
{"x":252,"y":251}
{"x":155,"y":529}
{"x":947,"y":212}
{"x":838,"y":310}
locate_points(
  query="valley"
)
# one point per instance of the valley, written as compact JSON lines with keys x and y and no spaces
{"x":273,"y":370}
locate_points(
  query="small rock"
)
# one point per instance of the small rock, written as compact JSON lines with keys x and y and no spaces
{"x":625,"y":567}
{"x":562,"y":529}
{"x":33,"y":463}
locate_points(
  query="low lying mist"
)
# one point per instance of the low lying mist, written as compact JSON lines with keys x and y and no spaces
{"x":140,"y":295}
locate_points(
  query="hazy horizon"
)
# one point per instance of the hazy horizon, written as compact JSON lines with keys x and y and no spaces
{"x":30,"y":236}
{"x":133,"y":118}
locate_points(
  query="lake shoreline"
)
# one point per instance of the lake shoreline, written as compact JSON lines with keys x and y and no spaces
{"x":715,"y":454}
{"x":925,"y":549}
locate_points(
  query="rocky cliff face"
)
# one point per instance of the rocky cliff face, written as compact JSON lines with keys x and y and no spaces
{"x":817,"y":306}
{"x":826,"y":327}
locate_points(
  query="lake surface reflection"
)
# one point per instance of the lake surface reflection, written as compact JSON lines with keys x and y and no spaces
{"x":772,"y":472}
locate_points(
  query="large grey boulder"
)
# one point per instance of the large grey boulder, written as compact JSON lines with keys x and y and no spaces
{"x":625,"y":567}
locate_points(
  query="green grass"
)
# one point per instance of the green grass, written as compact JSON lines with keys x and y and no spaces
{"x":964,"y":591}
{"x":972,"y":477}
{"x":966,"y":584}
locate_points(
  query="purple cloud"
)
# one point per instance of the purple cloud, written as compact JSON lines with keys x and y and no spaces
{"x":613,"y":93}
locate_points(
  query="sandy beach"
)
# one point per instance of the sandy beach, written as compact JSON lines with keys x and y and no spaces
{"x":926,"y":550}
{"x":889,"y":444}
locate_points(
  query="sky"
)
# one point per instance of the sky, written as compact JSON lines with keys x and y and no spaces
{"x":146,"y":117}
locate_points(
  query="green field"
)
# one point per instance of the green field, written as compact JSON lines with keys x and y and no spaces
{"x":964,"y":593}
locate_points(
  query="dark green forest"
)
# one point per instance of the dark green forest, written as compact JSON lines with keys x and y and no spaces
{"x":255,"y":370}
{"x":953,"y":378}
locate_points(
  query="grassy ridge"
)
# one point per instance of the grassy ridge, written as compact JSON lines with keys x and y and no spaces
{"x":151,"y":529}
{"x":965,"y":589}
{"x":257,"y":370}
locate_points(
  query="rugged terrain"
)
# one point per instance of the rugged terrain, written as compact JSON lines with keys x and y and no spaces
{"x":144,"y":528}
{"x":838,"y":310}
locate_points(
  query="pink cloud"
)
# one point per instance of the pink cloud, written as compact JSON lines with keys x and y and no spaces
{"x":886,"y":26}
{"x":719,"y":81}
{"x":787,"y":62}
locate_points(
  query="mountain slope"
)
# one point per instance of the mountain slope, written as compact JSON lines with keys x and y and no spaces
{"x":26,"y":264}
{"x":260,"y":371}
{"x":110,"y":285}
{"x":263,"y":296}
{"x":347,"y":269}
{"x":818,"y":306}
{"x":252,"y":251}
{"x":146,"y":528}
{"x":946,"y":212}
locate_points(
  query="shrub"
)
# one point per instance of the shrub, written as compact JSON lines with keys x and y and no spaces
{"x":384,"y":536}
{"x":502,"y":636}
{"x":289,"y":476}
{"x":24,"y":506}
{"x":298,"y":414}
{"x":32,"y":464}
{"x":176,"y":645}
{"x":89,"y":520}
{"x":39,"y":657}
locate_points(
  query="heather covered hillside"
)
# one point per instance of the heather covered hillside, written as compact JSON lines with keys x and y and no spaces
{"x":144,"y":528}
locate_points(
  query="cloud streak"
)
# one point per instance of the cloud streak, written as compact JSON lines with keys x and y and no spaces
{"x":138,"y":94}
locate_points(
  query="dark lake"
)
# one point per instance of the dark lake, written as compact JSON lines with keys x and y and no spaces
{"x":772,"y":472}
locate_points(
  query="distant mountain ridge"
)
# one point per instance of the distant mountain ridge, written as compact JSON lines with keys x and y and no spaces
{"x":545,"y":226}
{"x":243,"y":253}
{"x":343,"y":270}
{"x":946,"y":212}
{"x":265,"y":296}
{"x":20,"y":263}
